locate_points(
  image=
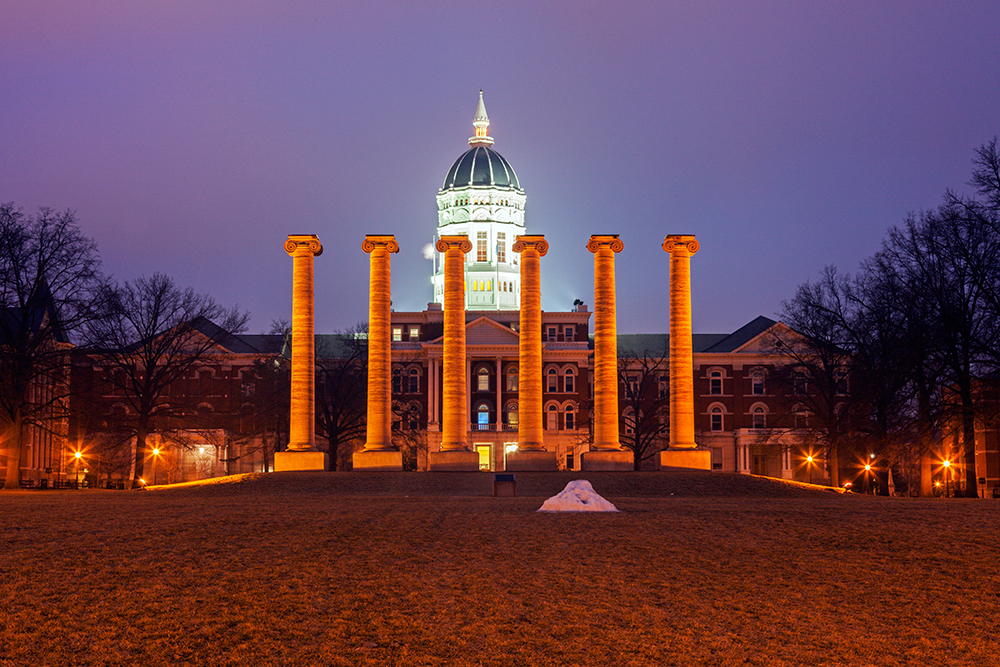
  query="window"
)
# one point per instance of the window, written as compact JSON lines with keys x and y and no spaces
{"x":757,"y":384}
{"x":799,"y":383}
{"x":414,"y":381}
{"x":716,"y":418}
{"x":801,"y":417}
{"x":512,"y":380}
{"x":397,"y":382}
{"x":482,"y":252}
{"x":568,"y":333}
{"x":551,"y":332}
{"x":414,"y":332}
{"x":482,"y":417}
{"x":715,"y":383}
{"x":759,"y":418}
{"x":629,"y":419}
{"x":570,"y":459}
{"x":568,"y":386}
{"x":512,"y":414}
{"x":570,"y":418}
{"x":552,"y":418}
{"x":841,"y":383}
{"x":632,"y":386}
{"x":397,"y":334}
{"x":483,"y":380}
{"x":501,"y":247}
{"x":553,"y":380}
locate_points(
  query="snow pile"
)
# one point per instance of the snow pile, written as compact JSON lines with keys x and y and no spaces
{"x":578,"y":496}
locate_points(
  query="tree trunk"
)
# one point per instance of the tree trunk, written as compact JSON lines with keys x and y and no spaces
{"x":834,"y":463}
{"x":926,"y":473}
{"x":140,"y":455}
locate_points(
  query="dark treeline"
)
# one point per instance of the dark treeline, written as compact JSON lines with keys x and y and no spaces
{"x":915,"y":333}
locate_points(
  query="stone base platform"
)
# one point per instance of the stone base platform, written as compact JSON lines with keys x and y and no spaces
{"x":531,"y":461}
{"x":455,"y":461}
{"x":378,"y":460}
{"x":697,"y":459}
{"x":621,"y":461}
{"x":286,"y":461}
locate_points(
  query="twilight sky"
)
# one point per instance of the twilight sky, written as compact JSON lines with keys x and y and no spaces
{"x":192,"y":136}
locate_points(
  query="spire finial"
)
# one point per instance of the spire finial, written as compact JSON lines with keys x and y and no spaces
{"x":481,"y":123}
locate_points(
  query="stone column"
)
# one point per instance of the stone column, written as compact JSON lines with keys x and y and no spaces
{"x":606,"y":452}
{"x":454,"y":454}
{"x":683,"y":451}
{"x":302,"y":453}
{"x":530,"y":454}
{"x":379,"y":454}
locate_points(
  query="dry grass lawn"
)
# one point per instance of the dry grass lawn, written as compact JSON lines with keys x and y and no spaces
{"x":429,"y":569}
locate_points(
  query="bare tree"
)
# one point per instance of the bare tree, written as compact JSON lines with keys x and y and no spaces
{"x":151,"y":336}
{"x":49,"y":281}
{"x":342,"y":390}
{"x":644,"y":420}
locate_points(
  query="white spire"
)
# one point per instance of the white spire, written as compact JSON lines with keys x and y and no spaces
{"x":482,"y":123}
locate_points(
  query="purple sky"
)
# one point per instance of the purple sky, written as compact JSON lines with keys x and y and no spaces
{"x":192,"y":137}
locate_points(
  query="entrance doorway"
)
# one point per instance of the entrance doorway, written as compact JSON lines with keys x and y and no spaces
{"x":759,"y":464}
{"x":485,"y":451}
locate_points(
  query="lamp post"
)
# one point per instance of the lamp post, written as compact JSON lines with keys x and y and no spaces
{"x":868,"y":469}
{"x":78,"y":455}
{"x":947,"y":478}
{"x":156,"y":455}
{"x":809,"y":462}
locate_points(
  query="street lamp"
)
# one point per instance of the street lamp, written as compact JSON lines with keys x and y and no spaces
{"x":156,"y":454}
{"x":809,"y":462}
{"x":947,"y":478}
{"x":78,"y":455}
{"x":868,"y":469}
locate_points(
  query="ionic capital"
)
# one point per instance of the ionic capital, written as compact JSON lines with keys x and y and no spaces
{"x":681,"y":241}
{"x":298,"y":243}
{"x":598,"y":241}
{"x":373,"y":241}
{"x":536,"y":241}
{"x":461,"y":242}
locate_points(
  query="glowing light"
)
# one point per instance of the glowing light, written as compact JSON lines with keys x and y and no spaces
{"x":937,"y":483}
{"x":868,"y":467}
{"x":156,"y":452}
{"x":946,"y":463}
{"x":142,"y":481}
{"x":428,"y":251}
{"x":201,"y":450}
{"x":511,"y":448}
{"x":78,"y":455}
{"x":809,"y":459}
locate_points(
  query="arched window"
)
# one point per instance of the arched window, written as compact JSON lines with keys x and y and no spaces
{"x":483,"y":380}
{"x":759,"y":418}
{"x":397,"y":381}
{"x":568,"y":381}
{"x":570,"y":418}
{"x":552,"y":418}
{"x":716,"y":418}
{"x":552,"y":382}
{"x":512,"y":413}
{"x":512,"y":380}
{"x":801,"y":417}
{"x":757,"y":383}
{"x":482,"y":417}
{"x":414,"y":381}
{"x":715,"y":383}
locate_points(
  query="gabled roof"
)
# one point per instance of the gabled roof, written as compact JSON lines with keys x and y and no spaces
{"x":742,"y":336}
{"x":485,"y":331}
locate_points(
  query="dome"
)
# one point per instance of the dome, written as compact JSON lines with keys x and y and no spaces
{"x":481,"y":166}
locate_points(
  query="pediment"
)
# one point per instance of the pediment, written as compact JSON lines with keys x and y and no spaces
{"x":484,"y":331}
{"x":770,"y":340}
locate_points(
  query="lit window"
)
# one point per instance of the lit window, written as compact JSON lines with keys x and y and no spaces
{"x":397,"y":334}
{"x":715,"y":383}
{"x":501,"y":247}
{"x":757,"y":384}
{"x":568,"y":387}
{"x":553,"y":380}
{"x":512,"y":414}
{"x":483,"y":380}
{"x":512,"y":380}
{"x":481,"y":247}
{"x":716,"y":418}
{"x":414,"y":332}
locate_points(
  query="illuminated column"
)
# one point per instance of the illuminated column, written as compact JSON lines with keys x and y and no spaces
{"x":302,"y":453}
{"x":684,"y":449}
{"x":606,"y":453}
{"x":605,"y":342}
{"x":379,"y":453}
{"x":530,"y":435}
{"x":454,"y":417}
{"x":530,"y":454}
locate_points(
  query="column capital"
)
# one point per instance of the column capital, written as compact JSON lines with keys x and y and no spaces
{"x":460,"y":241}
{"x":296,"y":243}
{"x":673,"y":242}
{"x":598,"y":241}
{"x":373,"y":241}
{"x":536,"y":241}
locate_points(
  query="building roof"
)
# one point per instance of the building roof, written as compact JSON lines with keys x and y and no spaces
{"x":481,"y":166}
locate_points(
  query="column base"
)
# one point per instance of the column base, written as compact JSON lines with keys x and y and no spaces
{"x":287,"y":461}
{"x":697,"y":459}
{"x":453,"y":461}
{"x":377,"y":460}
{"x":614,"y":461}
{"x":531,"y":461}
